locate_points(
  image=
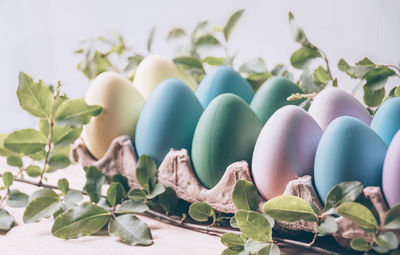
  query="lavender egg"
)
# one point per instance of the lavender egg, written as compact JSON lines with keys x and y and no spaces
{"x":391,"y":172}
{"x":332,"y":103}
{"x":285,"y":149}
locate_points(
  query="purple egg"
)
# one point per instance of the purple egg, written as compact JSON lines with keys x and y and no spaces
{"x":391,"y":172}
{"x":332,"y":103}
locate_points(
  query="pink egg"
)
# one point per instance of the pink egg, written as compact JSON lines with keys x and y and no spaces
{"x":391,"y":172}
{"x":332,"y":103}
{"x":285,"y":149}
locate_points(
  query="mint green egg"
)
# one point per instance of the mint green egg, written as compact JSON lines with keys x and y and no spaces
{"x":226,"y":133}
{"x":273,"y":95}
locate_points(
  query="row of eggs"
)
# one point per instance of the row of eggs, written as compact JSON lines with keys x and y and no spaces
{"x":224,"y":121}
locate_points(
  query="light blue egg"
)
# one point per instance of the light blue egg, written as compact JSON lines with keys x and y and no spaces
{"x":220,"y":80}
{"x":168,"y":120}
{"x":349,"y":150}
{"x":386,"y":121}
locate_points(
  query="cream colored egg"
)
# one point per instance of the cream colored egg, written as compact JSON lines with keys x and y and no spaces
{"x":155,"y":69}
{"x":121,"y":104}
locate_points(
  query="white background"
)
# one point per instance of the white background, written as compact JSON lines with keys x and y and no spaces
{"x":39,"y":37}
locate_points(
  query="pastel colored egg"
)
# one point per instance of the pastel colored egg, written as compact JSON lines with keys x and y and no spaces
{"x":332,"y":103}
{"x":386,"y":121}
{"x":220,"y":80}
{"x":285,"y":149}
{"x":121,"y":104}
{"x":391,"y":172}
{"x":168,"y":120}
{"x":226,"y":133}
{"x":349,"y":150}
{"x":154,"y":69}
{"x":273,"y":95}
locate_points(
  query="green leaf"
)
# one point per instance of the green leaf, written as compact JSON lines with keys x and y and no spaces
{"x":308,"y":84}
{"x":200,"y":211}
{"x":33,"y":171}
{"x":6,"y":220}
{"x":321,"y":75}
{"x":190,"y":62}
{"x":39,"y":155}
{"x":35,"y":98}
{"x":83,"y":220}
{"x":327,"y":226}
{"x":359,"y":244}
{"x":168,"y":200}
{"x":131,"y":230}
{"x":157,"y":190}
{"x":233,"y":222}
{"x":232,"y":241}
{"x":75,"y":112}
{"x":232,"y":23}
{"x":298,"y":33}
{"x":392,"y":220}
{"x":63,"y":185}
{"x":17,"y":199}
{"x":342,"y":192}
{"x":302,"y":57}
{"x":15,"y":161}
{"x":245,"y":195}
{"x":94,"y":181}
{"x":254,"y":225}
{"x":290,"y":209}
{"x":270,"y":249}
{"x":373,"y":98}
{"x":64,"y":207}
{"x":58,"y":161}
{"x":8,"y":179}
{"x":214,"y":61}
{"x":73,"y":196}
{"x":3,"y":151}
{"x":121,"y":179}
{"x":25,"y":141}
{"x":150,"y":39}
{"x":229,"y":251}
{"x":146,"y":173}
{"x":379,"y":249}
{"x":134,"y":206}
{"x":43,"y":203}
{"x":377,"y":77}
{"x":387,"y":240}
{"x":357,"y":71}
{"x":256,"y":65}
{"x":207,"y":41}
{"x":254,"y":246}
{"x":176,"y":33}
{"x":359,"y":214}
{"x":64,"y":136}
{"x":115,"y":193}
{"x":397,"y":91}
{"x":137,"y":194}
{"x":200,"y":26}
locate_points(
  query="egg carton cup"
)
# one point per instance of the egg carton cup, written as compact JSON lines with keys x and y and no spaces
{"x":176,"y":172}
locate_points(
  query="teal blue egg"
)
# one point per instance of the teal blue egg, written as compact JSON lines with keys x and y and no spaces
{"x":168,"y":120}
{"x":221,"y":80}
{"x":349,"y":150}
{"x":386,"y":121}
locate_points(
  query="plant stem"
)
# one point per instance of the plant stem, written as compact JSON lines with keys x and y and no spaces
{"x":328,"y":69}
{"x":4,"y":198}
{"x":314,"y":239}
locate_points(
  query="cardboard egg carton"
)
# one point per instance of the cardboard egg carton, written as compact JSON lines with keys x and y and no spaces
{"x":176,"y":172}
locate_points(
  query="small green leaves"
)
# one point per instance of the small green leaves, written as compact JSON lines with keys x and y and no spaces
{"x":17,"y":199}
{"x":150,"y":39}
{"x":254,"y":246}
{"x":377,"y":77}
{"x":63,"y":185}
{"x":233,"y":241}
{"x":387,"y":240}
{"x":342,"y":192}
{"x":146,"y":173}
{"x":392,"y":220}
{"x":373,"y":98}
{"x":35,"y":98}
{"x":290,"y":209}
{"x":245,"y":195}
{"x":6,"y":220}
{"x":359,"y":214}
{"x":58,"y":161}
{"x":190,"y":62}
{"x":94,"y":181}
{"x":359,"y":244}
{"x":64,"y":136}
{"x":207,"y":40}
{"x":33,"y":171}
{"x":176,"y":33}
{"x":157,"y":190}
{"x":115,"y":193}
{"x":73,"y":196}
{"x":232,"y":23}
{"x":43,"y":204}
{"x":83,"y":220}
{"x":357,"y":71}
{"x":298,"y":33}
{"x":301,"y":58}
{"x":201,"y":212}
{"x":214,"y":61}
{"x":168,"y":200}
{"x":133,"y":206}
{"x":15,"y":161}
{"x":25,"y":141}
{"x":321,"y":75}
{"x":327,"y":226}
{"x":8,"y":179}
{"x":131,"y":230}
{"x":254,"y":225}
{"x":75,"y":113}
{"x":270,"y":249}
{"x":137,"y":194}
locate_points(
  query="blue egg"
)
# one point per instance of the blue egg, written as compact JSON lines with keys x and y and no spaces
{"x":168,"y":120}
{"x":220,"y":80}
{"x":386,"y":121}
{"x":349,"y":150}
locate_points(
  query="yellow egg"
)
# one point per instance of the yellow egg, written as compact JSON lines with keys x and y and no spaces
{"x":121,"y":104}
{"x":154,"y":69}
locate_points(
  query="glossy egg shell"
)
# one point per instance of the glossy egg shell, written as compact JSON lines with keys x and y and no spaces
{"x":349,"y":150}
{"x":332,"y":103}
{"x":155,"y":69}
{"x":121,"y":104}
{"x":226,"y":133}
{"x":220,"y":80}
{"x":386,"y":121}
{"x":168,"y":120}
{"x":391,"y":172}
{"x":273,"y":95}
{"x":285,"y":149}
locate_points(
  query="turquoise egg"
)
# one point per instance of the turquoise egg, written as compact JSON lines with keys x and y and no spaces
{"x":386,"y":121}
{"x":168,"y":120}
{"x":220,"y":80}
{"x":349,"y":150}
